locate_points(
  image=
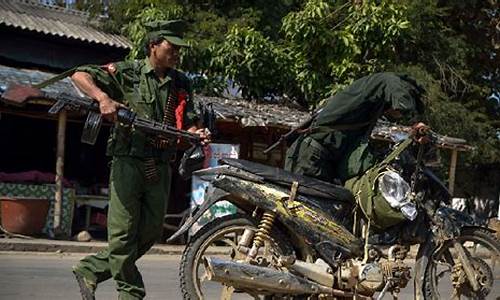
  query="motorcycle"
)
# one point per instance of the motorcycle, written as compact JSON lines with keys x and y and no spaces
{"x":296,"y":237}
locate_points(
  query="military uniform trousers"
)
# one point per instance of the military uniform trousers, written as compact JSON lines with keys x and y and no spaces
{"x":135,"y":219}
{"x":308,"y":157}
{"x":331,"y":157}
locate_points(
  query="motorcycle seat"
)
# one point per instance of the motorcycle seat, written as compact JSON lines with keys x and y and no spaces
{"x":307,"y":185}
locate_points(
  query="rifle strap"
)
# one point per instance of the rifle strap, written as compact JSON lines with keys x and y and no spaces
{"x":55,"y":78}
{"x":396,"y":152}
{"x":67,"y":73}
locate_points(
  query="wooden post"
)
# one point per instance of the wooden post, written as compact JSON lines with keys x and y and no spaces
{"x":61,"y":136}
{"x":249,"y":134}
{"x":453,"y":169}
{"x":270,"y":133}
{"x":283,"y":148}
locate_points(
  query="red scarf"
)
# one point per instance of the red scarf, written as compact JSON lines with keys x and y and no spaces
{"x":179,"y":111}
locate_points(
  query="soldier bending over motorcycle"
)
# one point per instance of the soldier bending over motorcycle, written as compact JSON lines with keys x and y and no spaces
{"x":336,"y":144}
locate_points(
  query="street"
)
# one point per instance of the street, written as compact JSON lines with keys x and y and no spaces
{"x":44,"y":276}
{"x":48,"y":277}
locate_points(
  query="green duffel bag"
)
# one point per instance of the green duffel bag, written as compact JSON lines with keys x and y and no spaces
{"x":382,"y":194}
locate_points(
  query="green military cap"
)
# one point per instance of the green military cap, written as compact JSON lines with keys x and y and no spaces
{"x":171,"y":30}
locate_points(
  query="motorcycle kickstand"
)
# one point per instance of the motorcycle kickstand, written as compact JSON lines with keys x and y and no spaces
{"x":395,"y":292}
{"x":384,"y":290}
{"x":227,"y":292}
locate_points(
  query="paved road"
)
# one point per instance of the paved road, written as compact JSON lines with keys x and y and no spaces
{"x":48,"y":277}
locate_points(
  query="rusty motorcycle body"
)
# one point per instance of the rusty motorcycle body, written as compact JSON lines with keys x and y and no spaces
{"x":295,"y":237}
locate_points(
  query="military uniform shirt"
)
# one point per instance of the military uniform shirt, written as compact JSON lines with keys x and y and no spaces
{"x":369,"y":96}
{"x":338,"y":144}
{"x":135,"y":84}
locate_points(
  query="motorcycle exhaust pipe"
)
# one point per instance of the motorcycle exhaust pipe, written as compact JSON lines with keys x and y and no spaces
{"x":245,"y":276}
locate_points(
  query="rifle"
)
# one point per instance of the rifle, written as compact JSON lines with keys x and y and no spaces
{"x":291,"y":135}
{"x":19,"y":94}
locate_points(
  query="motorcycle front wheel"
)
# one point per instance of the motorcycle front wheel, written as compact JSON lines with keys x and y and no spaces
{"x":220,"y":238}
{"x":445,"y":277}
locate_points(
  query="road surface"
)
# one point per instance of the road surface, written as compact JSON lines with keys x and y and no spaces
{"x":45,"y":276}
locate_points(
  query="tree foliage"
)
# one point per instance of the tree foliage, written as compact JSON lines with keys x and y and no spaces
{"x":308,"y":50}
{"x":253,"y":61}
{"x":333,"y":43}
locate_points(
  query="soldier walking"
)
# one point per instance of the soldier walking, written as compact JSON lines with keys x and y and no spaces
{"x":140,"y":171}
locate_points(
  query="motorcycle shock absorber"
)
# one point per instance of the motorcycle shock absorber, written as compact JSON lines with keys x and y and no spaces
{"x":263,"y":231}
{"x":247,"y":236}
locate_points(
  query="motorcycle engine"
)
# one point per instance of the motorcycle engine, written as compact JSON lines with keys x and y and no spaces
{"x":367,"y":278}
{"x":370,"y":277}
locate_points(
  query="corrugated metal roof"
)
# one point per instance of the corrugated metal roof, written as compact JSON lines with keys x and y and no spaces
{"x":244,"y":112}
{"x":25,"y":76}
{"x":241,"y":111}
{"x":56,"y":21}
{"x":249,"y":113}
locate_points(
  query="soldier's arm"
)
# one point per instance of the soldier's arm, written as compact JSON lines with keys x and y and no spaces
{"x":203,"y":133}
{"x":192,"y":120}
{"x":196,"y":126}
{"x":85,"y":82}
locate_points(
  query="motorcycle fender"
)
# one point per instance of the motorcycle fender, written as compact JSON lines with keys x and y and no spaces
{"x":213,"y":195}
{"x":438,"y":185}
{"x":451,"y":222}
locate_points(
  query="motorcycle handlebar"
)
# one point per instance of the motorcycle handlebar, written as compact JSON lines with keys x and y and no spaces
{"x":440,"y":139}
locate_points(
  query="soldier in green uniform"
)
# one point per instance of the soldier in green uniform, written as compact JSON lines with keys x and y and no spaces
{"x":336,"y":145}
{"x":140,"y":171}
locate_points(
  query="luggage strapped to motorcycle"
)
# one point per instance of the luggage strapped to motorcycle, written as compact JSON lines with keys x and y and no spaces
{"x":366,"y":194}
{"x":369,"y":200}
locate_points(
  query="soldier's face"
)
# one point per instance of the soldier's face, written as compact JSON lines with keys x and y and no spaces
{"x":165,"y":54}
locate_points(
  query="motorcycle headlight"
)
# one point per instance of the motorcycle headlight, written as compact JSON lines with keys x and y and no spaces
{"x":396,"y":192}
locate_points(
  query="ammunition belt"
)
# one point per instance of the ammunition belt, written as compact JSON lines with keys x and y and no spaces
{"x":159,"y":144}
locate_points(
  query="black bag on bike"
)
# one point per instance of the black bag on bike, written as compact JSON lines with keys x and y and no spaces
{"x":191,"y":161}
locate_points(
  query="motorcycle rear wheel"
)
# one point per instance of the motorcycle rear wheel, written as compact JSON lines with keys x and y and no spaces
{"x":483,"y":250}
{"x":223,"y":232}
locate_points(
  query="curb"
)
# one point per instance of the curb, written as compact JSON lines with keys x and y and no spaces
{"x":60,"y":246}
{"x":41,"y":245}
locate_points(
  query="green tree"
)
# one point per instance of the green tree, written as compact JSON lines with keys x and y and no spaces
{"x":333,"y":43}
{"x":308,"y":50}
{"x":209,"y":21}
{"x":253,"y":62}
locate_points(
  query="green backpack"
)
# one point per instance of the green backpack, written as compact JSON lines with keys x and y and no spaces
{"x":368,"y":196}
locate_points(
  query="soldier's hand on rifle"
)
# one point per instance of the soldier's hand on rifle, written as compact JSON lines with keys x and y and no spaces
{"x":86,"y":84}
{"x":419,"y":133}
{"x":108,"y":107}
{"x":204,"y":133}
